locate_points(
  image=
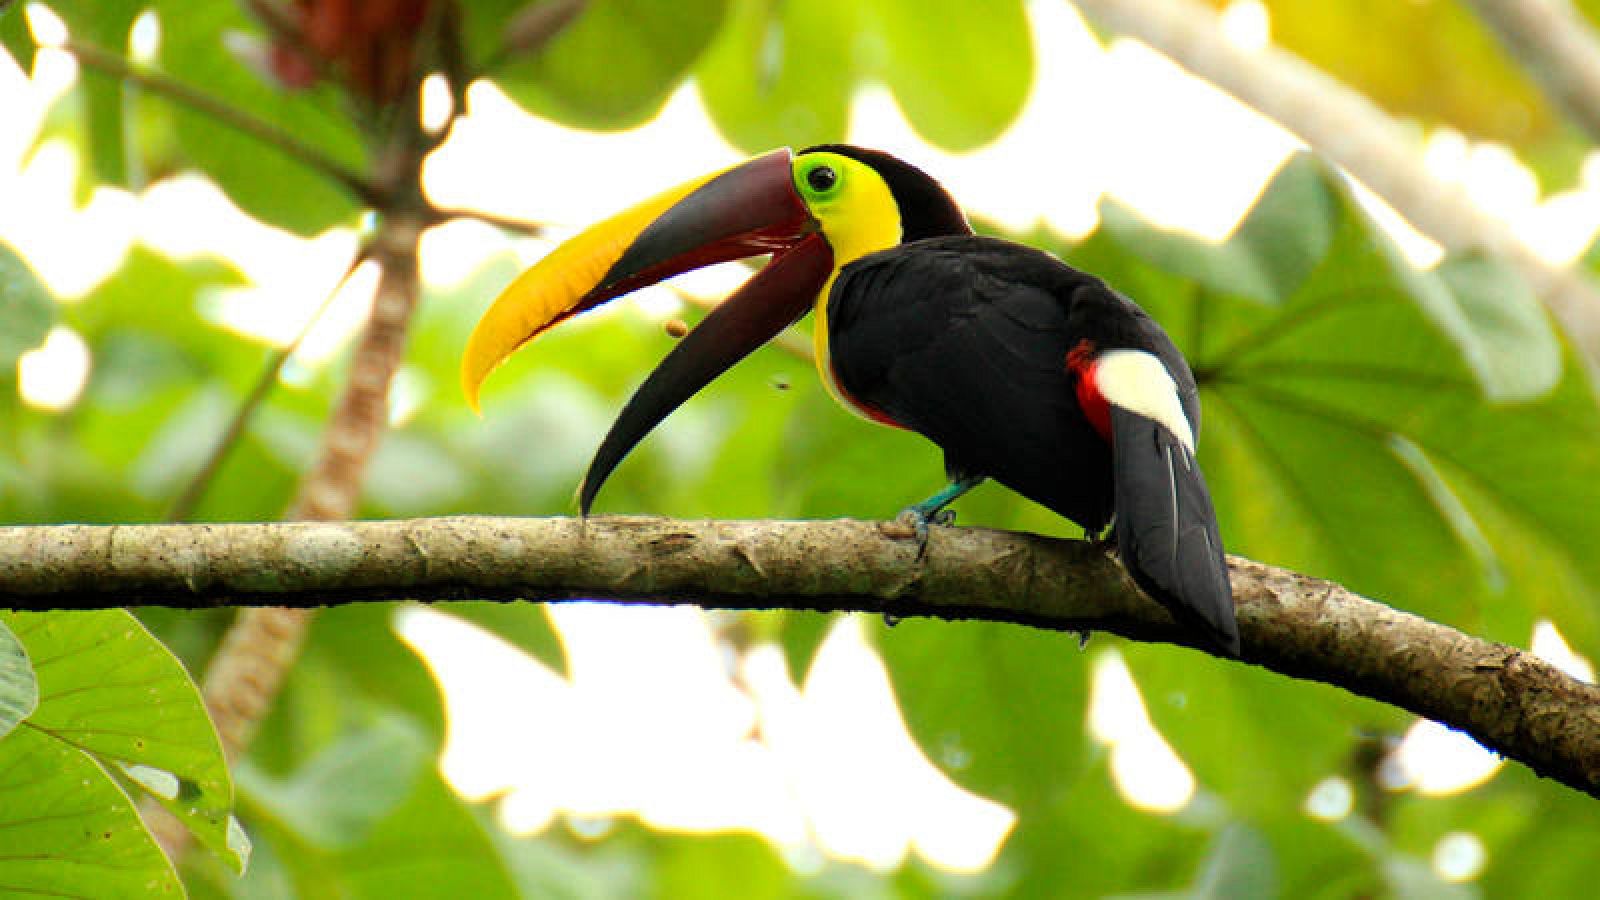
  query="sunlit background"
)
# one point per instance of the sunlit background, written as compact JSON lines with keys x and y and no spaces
{"x":823,"y":768}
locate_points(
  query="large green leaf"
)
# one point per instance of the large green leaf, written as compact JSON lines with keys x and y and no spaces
{"x":264,"y":181}
{"x":19,"y":689}
{"x":781,"y":74}
{"x":615,"y":64}
{"x":69,"y":830}
{"x":15,"y":35}
{"x":960,"y":70}
{"x":110,"y":690}
{"x":26,"y":308}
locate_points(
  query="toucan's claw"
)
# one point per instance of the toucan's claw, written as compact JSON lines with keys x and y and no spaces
{"x":915,"y":519}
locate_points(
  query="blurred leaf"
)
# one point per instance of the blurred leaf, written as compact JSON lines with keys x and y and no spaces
{"x":355,"y":645}
{"x":109,"y":689}
{"x":19,"y":689}
{"x":724,"y":865}
{"x":26,"y":308}
{"x":781,"y":74}
{"x":338,"y":798}
{"x":15,"y":35}
{"x":997,"y":707}
{"x":196,"y":48}
{"x":615,"y":65}
{"x":69,"y":830}
{"x":525,"y":626}
{"x":547,"y":869}
{"x":961,"y":71}
{"x":369,"y":817}
{"x":1240,"y":866}
{"x":1275,"y":247}
{"x":1509,"y":339}
{"x":103,"y":24}
{"x":1257,"y":739}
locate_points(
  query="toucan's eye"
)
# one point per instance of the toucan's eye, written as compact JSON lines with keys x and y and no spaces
{"x":822,"y":179}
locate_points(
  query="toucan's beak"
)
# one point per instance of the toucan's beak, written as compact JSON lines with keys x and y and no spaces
{"x":750,"y":209}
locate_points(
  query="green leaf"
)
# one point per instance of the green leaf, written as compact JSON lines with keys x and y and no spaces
{"x":370,"y":817}
{"x":614,"y":66}
{"x":1275,"y":247}
{"x":355,"y":651}
{"x":338,"y":798}
{"x":26,"y":308}
{"x":265,"y":182}
{"x":103,"y":24}
{"x":961,"y":71}
{"x":109,"y":689}
{"x":781,"y":74}
{"x":19,"y":689}
{"x":15,"y":35}
{"x":1507,"y":337}
{"x":1240,"y":866}
{"x":69,"y":830}
{"x":525,"y":626}
{"x":998,"y":707}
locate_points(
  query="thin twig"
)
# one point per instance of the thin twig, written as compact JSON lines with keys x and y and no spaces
{"x":178,"y":92}
{"x":184,"y":505}
{"x":440,"y":214}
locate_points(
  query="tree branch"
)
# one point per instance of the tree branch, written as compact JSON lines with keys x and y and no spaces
{"x":1510,"y":700}
{"x":1350,"y":130}
{"x":1553,"y":43}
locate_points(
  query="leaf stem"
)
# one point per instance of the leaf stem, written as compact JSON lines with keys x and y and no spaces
{"x":183,"y":507}
{"x":176,"y":91}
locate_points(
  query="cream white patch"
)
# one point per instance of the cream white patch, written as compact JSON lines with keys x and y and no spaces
{"x":1138,"y":382}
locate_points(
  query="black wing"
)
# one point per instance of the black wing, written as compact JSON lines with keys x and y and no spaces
{"x":964,"y":340}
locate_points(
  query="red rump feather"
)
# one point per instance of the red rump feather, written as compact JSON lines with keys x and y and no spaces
{"x":1081,"y":362}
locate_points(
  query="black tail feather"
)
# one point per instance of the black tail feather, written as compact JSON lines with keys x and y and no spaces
{"x":1167,"y":530}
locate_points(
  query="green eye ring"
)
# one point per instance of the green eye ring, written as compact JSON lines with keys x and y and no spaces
{"x":822,"y":178}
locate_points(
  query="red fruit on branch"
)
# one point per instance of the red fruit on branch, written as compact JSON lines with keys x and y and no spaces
{"x":369,"y":46}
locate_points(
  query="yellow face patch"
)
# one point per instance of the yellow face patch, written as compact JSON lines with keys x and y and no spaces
{"x":852,"y":203}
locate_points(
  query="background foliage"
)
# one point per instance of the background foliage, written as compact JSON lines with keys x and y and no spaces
{"x":1424,"y":437}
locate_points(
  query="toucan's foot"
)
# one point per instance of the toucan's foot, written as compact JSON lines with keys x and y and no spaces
{"x":935,"y":510}
{"x":915,"y":520}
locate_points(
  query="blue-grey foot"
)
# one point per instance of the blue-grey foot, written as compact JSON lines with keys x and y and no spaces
{"x":933,"y":511}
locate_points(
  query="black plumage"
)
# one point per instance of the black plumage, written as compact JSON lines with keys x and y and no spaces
{"x":965,"y":340}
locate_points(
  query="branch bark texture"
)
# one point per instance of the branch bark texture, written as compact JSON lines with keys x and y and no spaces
{"x":1349,"y":129}
{"x":1290,"y":623}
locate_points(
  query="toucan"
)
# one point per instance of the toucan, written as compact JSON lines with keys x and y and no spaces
{"x":1020,"y":367}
